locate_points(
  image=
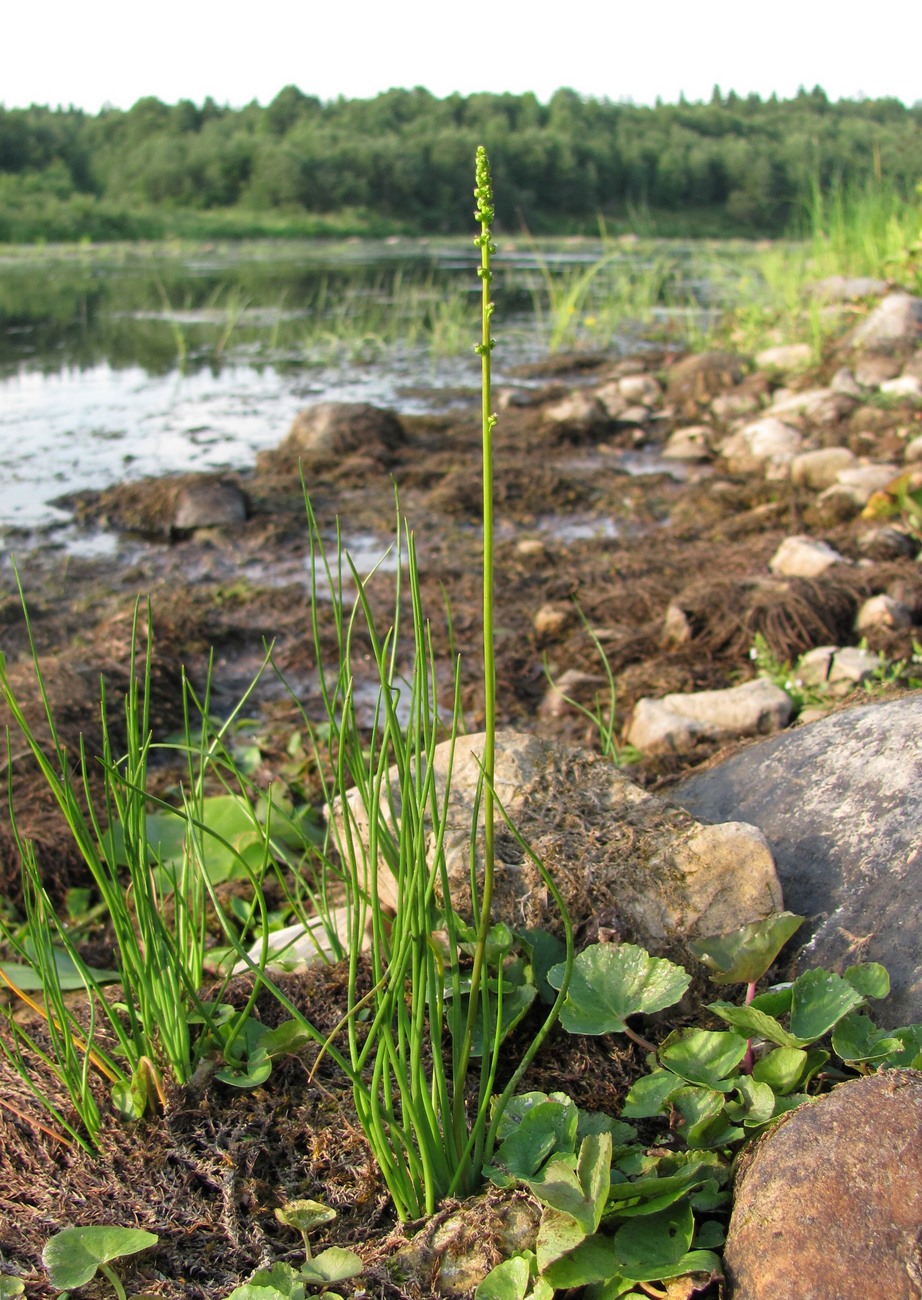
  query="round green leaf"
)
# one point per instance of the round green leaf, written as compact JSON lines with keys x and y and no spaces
{"x":333,"y":1265}
{"x":745,"y":955}
{"x":73,"y":1255}
{"x":703,"y":1056}
{"x":507,"y":1281}
{"x":611,"y":982}
{"x":305,"y":1216}
{"x":870,"y":979}
{"x":781,"y":1069}
{"x":820,"y":1000}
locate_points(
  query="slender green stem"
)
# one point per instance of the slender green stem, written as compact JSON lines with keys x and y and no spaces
{"x":483,"y":192}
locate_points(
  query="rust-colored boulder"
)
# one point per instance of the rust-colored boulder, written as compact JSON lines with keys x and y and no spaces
{"x":828,"y":1206}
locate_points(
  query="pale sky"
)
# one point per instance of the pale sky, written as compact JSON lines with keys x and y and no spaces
{"x":91,"y":52}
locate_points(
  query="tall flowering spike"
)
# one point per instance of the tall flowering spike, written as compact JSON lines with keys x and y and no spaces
{"x":483,"y":190}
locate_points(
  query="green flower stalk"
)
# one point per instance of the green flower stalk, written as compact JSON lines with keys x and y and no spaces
{"x":483,"y":193}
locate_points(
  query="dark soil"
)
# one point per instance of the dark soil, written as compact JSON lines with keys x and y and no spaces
{"x":573,"y":526}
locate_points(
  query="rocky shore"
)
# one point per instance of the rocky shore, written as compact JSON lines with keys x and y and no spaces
{"x":737,"y":536}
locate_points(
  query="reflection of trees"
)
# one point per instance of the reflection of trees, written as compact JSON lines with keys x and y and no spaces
{"x":405,"y":156}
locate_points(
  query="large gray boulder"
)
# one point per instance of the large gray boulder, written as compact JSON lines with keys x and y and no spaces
{"x":838,"y":801}
{"x":828,"y":1205}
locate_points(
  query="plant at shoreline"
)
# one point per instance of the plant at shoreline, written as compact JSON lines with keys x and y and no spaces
{"x":602,"y":715}
{"x":456,"y":998}
{"x":467,"y":989}
{"x":619,"y":1214}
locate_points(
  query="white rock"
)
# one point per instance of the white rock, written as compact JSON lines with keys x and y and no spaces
{"x":767,"y":444}
{"x":862,"y":481}
{"x":895,"y":324}
{"x":657,"y":729}
{"x":843,"y":381}
{"x":299,"y":945}
{"x":752,"y":708}
{"x":691,"y":443}
{"x":551,"y":619}
{"x":608,"y":843}
{"x":820,"y":468}
{"x":841,"y":288}
{"x":729,"y":406}
{"x":641,"y":388}
{"x":610,"y":397}
{"x":677,"y":722}
{"x":677,"y":630}
{"x":572,"y":684}
{"x":820,"y":405}
{"x":803,"y":557}
{"x":903,"y":386}
{"x":635,"y":415}
{"x":838,"y":667}
{"x":786,"y":356}
{"x":882,"y":611}
{"x":913,"y":452}
{"x":578,"y":412}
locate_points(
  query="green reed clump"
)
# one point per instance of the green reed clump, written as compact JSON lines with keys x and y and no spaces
{"x":423,"y":1030}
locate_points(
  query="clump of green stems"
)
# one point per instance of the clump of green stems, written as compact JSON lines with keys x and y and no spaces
{"x":434,"y":977}
{"x":413,"y":1108}
{"x":158,"y":918}
{"x":845,"y":230}
{"x":595,"y":300}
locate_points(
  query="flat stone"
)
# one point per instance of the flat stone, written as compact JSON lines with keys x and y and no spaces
{"x":730,"y":406}
{"x":785,"y":357}
{"x":882,"y":612}
{"x":803,"y":557}
{"x":578,"y":415}
{"x":862,"y":481}
{"x":913,"y":452}
{"x":642,"y":389}
{"x":691,"y":443}
{"x":815,"y":405}
{"x":838,"y":801}
{"x":842,"y":288}
{"x":906,"y":386}
{"x":820,"y":468}
{"x":677,"y":722}
{"x":839,"y":669}
{"x":828,"y":1205}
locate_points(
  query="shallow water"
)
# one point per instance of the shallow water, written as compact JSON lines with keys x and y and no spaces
{"x":121,"y":363}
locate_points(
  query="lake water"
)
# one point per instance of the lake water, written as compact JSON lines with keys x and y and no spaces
{"x":127,"y":361}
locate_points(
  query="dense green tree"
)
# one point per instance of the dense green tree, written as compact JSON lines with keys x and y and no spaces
{"x":404,"y":157}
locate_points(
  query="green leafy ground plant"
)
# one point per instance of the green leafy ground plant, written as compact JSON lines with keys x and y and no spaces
{"x":74,"y":1256}
{"x":619,"y":1214}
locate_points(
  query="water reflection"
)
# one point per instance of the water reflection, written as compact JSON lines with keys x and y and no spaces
{"x":131,"y":360}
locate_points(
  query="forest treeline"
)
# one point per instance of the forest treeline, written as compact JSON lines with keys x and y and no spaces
{"x":403,"y":160}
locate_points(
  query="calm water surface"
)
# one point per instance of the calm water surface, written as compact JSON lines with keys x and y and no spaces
{"x":124,"y":362}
